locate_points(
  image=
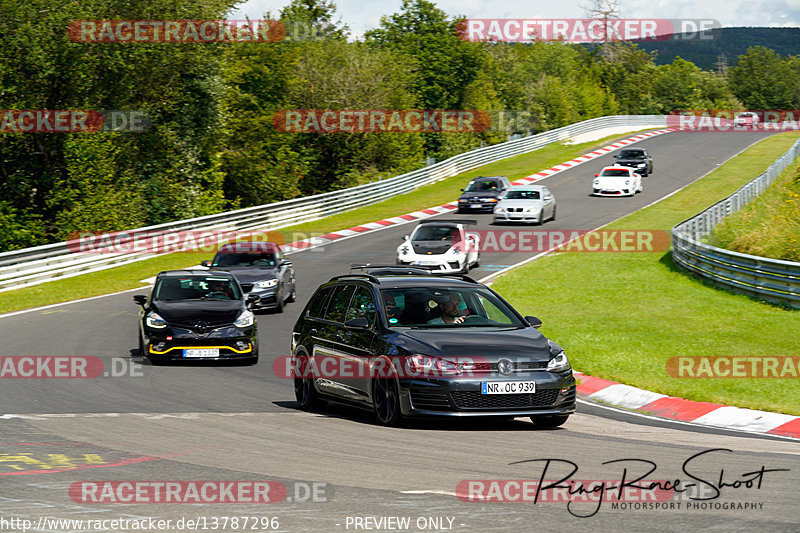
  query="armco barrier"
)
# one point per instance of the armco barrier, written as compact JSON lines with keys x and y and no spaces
{"x":769,"y":279}
{"x":30,"y":266}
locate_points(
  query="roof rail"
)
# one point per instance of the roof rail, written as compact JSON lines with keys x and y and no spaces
{"x":358,"y":276}
{"x":378,"y":269}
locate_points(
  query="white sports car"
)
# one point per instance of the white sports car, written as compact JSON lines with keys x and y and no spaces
{"x":616,"y":181}
{"x":441,"y":245}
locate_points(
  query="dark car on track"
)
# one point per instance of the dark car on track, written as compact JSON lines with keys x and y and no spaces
{"x":403,"y":343}
{"x":261,"y":269}
{"x":482,"y":194}
{"x":197,"y":315}
{"x":636,"y":158}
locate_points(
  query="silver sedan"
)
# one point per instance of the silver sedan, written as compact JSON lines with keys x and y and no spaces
{"x":532,"y":203}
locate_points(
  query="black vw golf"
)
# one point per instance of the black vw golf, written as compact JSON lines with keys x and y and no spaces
{"x":405,"y":343}
{"x":197,"y":315}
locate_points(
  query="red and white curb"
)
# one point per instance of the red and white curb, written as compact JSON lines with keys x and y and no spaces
{"x":703,"y":413}
{"x":322,"y":240}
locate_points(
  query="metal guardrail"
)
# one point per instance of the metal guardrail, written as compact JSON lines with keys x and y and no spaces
{"x":30,"y":266}
{"x":772,"y":280}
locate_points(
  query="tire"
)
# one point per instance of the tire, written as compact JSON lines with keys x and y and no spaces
{"x":293,"y":296}
{"x":141,"y":347}
{"x":552,"y":421}
{"x":304,"y":392}
{"x":552,"y":218}
{"x":386,"y":402}
{"x":280,"y":303}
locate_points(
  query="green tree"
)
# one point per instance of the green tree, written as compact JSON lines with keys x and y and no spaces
{"x":762,"y":80}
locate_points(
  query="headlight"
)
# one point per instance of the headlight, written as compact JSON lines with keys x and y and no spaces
{"x":640,"y":165}
{"x":425,"y":364}
{"x":266,"y":284}
{"x":596,"y":183}
{"x":559,"y":363}
{"x":454,"y":250}
{"x":404,"y":250}
{"x":490,"y":199}
{"x":498,"y":209}
{"x":627,"y":182}
{"x":154,"y":320}
{"x":533,"y":210}
{"x":245,"y":320}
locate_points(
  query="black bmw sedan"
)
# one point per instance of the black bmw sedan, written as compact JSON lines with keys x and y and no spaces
{"x":408,"y":344}
{"x":197,"y":315}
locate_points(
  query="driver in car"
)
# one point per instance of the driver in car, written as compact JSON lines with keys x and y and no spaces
{"x":449,"y":304}
{"x":219,"y":289}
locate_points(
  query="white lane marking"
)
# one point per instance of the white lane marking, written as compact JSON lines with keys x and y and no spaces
{"x":51,"y":306}
{"x":744,"y":419}
{"x":442,"y":492}
{"x":681,"y":422}
{"x":626,"y":396}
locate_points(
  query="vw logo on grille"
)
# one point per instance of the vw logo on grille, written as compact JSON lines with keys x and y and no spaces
{"x":505,"y":367}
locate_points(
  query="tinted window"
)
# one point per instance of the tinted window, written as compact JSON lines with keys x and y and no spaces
{"x":362,"y":306}
{"x":615,"y":172}
{"x":523,"y":195}
{"x":631,"y":154}
{"x":432,"y":232}
{"x":317,"y":302}
{"x":338,"y":303}
{"x":484,"y":186}
{"x":259,"y":259}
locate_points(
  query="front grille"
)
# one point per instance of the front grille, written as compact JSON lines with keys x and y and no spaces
{"x":516,"y":365}
{"x":247,"y":287}
{"x":431,"y":398}
{"x":476,"y":400}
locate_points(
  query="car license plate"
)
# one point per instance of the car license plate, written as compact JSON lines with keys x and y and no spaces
{"x":427,"y":263}
{"x":476,"y":206}
{"x":201,"y":352}
{"x":508,"y":387}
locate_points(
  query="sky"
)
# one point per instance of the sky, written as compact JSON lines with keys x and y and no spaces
{"x":362,"y":15}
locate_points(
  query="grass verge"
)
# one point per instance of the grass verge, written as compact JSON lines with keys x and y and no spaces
{"x":130,"y":276}
{"x":636,"y":310}
{"x":768,"y":226}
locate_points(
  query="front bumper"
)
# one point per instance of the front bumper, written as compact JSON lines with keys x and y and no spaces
{"x":555,"y":394}
{"x":614,"y":192}
{"x":476,"y":207}
{"x":440,"y":266}
{"x":232,"y":343}
{"x":518,"y":217}
{"x":268,"y":299}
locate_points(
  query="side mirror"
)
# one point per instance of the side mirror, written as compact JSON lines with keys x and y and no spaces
{"x":533,"y":321}
{"x":596,"y":175}
{"x":286,"y":262}
{"x":205,"y":263}
{"x":140,"y":299}
{"x":617,"y":156}
{"x":251,"y":299}
{"x":462,"y":190}
{"x":547,"y":197}
{"x":357,"y":323}
{"x":406,"y":237}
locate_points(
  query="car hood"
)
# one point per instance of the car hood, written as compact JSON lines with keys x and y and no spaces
{"x":525,"y":344}
{"x":431,"y":247}
{"x":212,"y":312}
{"x":479,"y":194}
{"x":521,"y":203}
{"x":250,"y":274}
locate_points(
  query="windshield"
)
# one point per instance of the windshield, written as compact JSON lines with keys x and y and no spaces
{"x":430,"y":232}
{"x":631,"y":154}
{"x":260,"y":259}
{"x":431,"y":307}
{"x":615,"y":172}
{"x":483,"y":186}
{"x":199,"y":287}
{"x":523,"y":195}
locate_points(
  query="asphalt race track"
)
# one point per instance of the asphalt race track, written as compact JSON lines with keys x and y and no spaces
{"x":240,"y":423}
